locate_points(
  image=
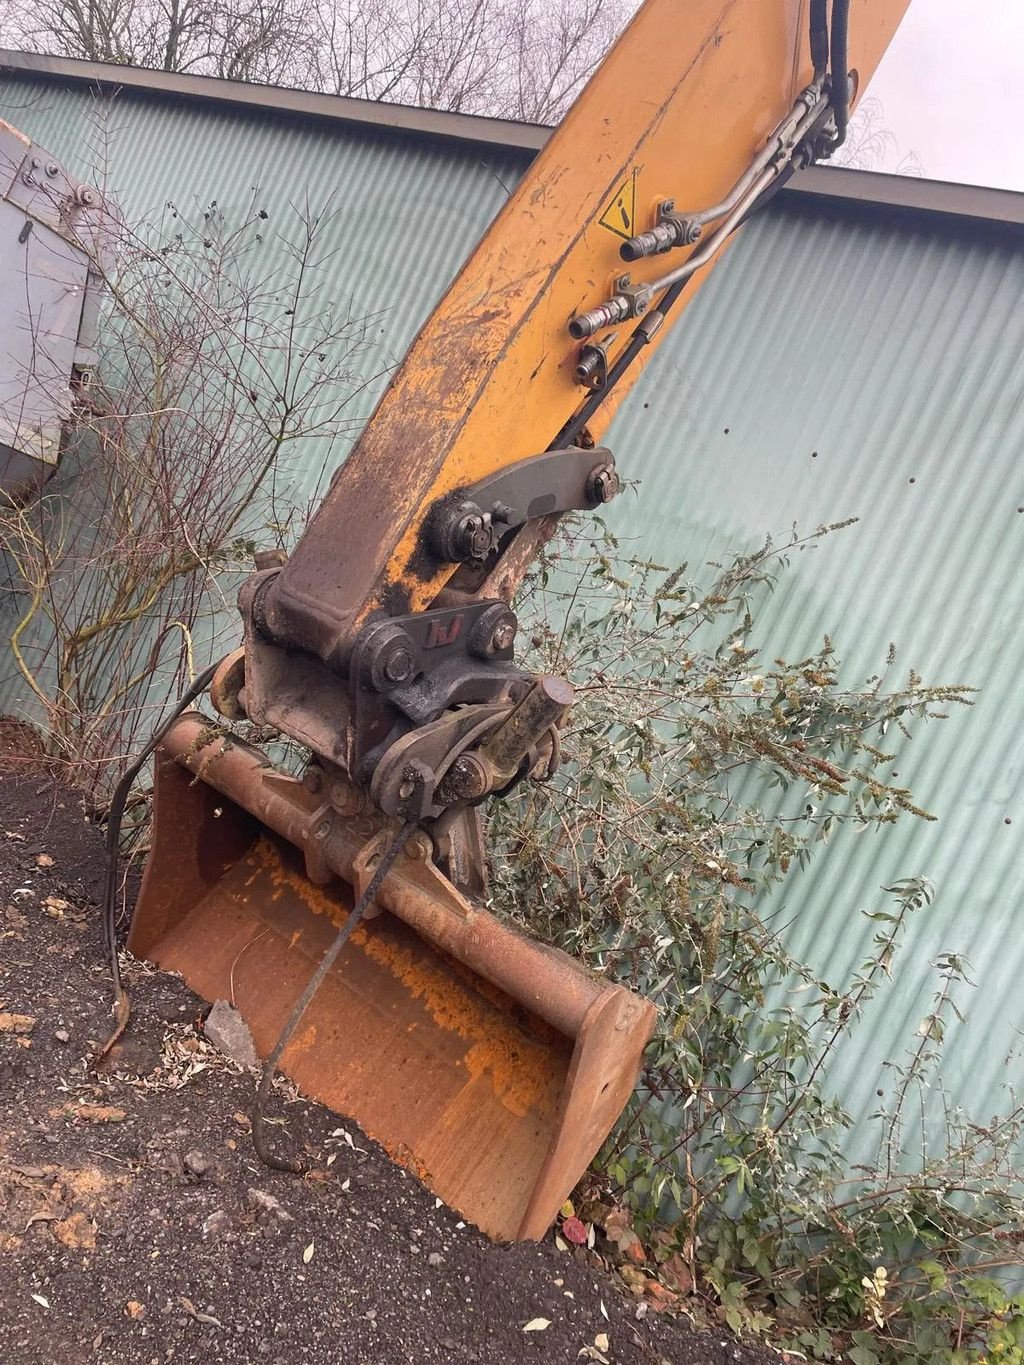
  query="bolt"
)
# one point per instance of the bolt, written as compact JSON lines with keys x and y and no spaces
{"x":406,"y":789}
{"x":466,"y":778}
{"x":493,"y":632}
{"x":603,"y":483}
{"x":322,"y":830}
{"x":419,"y":846}
{"x":398,"y":665}
{"x":313,"y":780}
{"x":473,"y":537}
{"x":52,"y":169}
{"x":346,"y":799}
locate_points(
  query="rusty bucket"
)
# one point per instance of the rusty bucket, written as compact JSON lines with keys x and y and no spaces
{"x":490,"y":1065}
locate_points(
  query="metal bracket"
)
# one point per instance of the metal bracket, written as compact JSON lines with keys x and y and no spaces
{"x":470,"y":523}
{"x":364,"y":865}
{"x":472,"y":752}
{"x":408,"y":778}
{"x":410,"y":669}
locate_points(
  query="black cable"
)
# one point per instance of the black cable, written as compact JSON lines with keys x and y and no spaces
{"x":819,"y":37}
{"x":259,"y":1137}
{"x":839,"y":57}
{"x":122,"y":1005}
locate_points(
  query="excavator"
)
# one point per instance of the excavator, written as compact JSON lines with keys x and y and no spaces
{"x":343,"y":907}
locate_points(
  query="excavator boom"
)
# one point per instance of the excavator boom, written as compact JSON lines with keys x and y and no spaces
{"x":490,"y":1064}
{"x":676,"y":114}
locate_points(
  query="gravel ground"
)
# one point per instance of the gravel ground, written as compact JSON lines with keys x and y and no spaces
{"x":136,"y":1224}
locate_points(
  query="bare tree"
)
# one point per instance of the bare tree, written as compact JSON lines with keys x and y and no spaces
{"x":520,"y":59}
{"x":257,"y":40}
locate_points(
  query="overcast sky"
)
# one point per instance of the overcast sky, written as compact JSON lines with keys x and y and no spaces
{"x":951,"y":88}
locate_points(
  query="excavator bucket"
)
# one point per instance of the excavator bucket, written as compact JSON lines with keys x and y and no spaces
{"x":491,"y":1066}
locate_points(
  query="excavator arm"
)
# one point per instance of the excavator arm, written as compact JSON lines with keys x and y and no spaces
{"x":386,"y":643}
{"x":393,"y":608}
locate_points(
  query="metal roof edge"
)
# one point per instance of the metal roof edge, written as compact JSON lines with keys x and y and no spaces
{"x":908,"y":194}
{"x":841,"y":187}
{"x":401,"y":118}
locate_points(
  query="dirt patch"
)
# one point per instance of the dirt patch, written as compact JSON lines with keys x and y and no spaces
{"x":136,"y":1224}
{"x":21,"y":746}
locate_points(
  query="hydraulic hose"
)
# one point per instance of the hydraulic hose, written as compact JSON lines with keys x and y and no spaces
{"x":840,"y":60}
{"x":819,"y":37}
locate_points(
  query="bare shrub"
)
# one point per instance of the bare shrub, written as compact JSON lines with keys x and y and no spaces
{"x":216,"y":366}
{"x":703,"y":774}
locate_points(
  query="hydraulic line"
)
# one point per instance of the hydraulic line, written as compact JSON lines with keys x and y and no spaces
{"x":827,"y":50}
{"x":801,"y":125}
{"x":840,"y":63}
{"x":685,"y":229}
{"x":570,"y":433}
{"x":819,"y":37}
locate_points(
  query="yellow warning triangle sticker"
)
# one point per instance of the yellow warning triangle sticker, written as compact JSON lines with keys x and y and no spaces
{"x":620,"y":215}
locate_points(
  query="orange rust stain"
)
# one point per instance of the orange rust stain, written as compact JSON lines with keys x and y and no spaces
{"x":406,"y":1157}
{"x":518,"y":1067}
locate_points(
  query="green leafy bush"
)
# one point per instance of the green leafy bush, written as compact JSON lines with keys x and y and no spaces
{"x":700,"y":775}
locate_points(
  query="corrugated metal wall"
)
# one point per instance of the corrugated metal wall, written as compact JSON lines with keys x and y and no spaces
{"x":832,"y":367}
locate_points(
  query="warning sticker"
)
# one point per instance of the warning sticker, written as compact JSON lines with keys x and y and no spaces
{"x":620,"y":214}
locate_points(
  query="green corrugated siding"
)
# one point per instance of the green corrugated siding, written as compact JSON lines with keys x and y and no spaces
{"x":878,"y":372}
{"x":831,"y":368}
